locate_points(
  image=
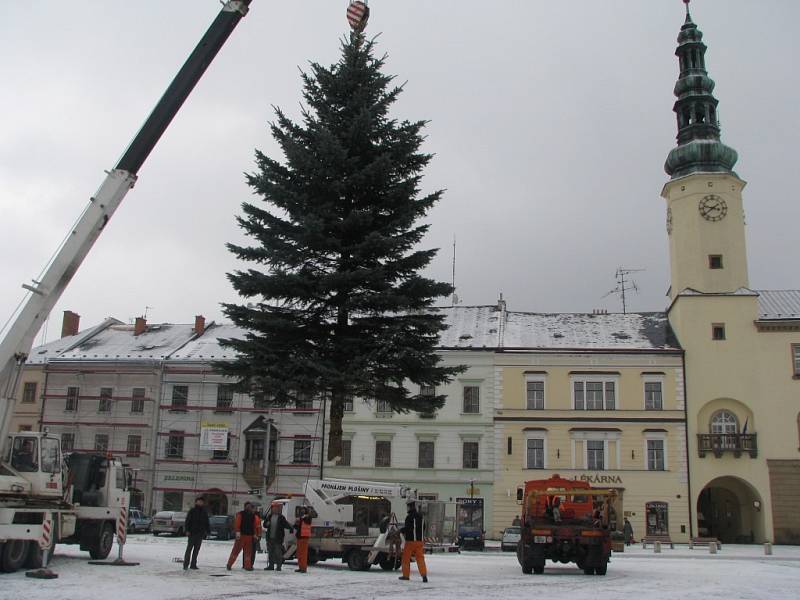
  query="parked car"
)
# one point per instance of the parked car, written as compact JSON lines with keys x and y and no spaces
{"x":138,"y":521}
{"x":508,"y":542}
{"x":471,"y":538}
{"x":221,"y":527}
{"x":168,"y":521}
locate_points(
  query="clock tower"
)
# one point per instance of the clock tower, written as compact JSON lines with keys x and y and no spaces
{"x":705,"y":217}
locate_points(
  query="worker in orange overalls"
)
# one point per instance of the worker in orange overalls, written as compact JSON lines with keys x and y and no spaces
{"x":247,"y":526}
{"x":302,"y":529}
{"x":415,"y":543}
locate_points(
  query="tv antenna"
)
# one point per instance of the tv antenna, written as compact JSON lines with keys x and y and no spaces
{"x":624,"y":285}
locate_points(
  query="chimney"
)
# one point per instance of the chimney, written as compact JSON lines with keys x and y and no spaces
{"x":139,"y":326}
{"x":70,"y":324}
{"x":199,"y":324}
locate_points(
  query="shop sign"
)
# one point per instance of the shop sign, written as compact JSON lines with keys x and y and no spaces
{"x":213,"y":436}
{"x":183,"y":478}
{"x":596,"y":478}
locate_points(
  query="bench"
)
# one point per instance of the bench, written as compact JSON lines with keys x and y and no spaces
{"x":652,"y":539}
{"x":704,"y":541}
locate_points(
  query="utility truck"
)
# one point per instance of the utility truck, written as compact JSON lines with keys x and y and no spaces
{"x":348,"y":520}
{"x":45,"y":498}
{"x":565,"y":521}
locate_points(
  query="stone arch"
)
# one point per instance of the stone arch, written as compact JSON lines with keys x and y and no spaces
{"x":730,"y":509}
{"x":216,"y":502}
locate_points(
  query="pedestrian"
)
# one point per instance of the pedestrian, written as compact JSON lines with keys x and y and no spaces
{"x":247,"y":526}
{"x":627,"y":531}
{"x":415,"y":543}
{"x":197,"y":528}
{"x":302,"y":531}
{"x":557,"y":509}
{"x":515,"y":522}
{"x":275,"y":526}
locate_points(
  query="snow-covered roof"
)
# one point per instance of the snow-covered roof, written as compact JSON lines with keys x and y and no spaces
{"x":472,"y":327}
{"x":207,"y":346}
{"x":117,"y":342}
{"x":779,"y":304}
{"x":52,"y":350}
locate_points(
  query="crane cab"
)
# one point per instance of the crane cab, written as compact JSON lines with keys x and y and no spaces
{"x":31,"y":465}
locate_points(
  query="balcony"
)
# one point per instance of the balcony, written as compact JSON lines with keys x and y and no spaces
{"x":253,"y":472}
{"x":719,"y":443}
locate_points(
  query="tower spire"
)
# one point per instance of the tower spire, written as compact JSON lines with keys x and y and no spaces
{"x":699,"y":148}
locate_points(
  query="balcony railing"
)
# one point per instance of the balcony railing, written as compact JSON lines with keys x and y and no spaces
{"x":719,"y":443}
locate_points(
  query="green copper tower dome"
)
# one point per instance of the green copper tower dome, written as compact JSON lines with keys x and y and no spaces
{"x":699,"y":148}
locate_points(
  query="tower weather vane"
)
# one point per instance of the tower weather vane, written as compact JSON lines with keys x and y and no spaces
{"x":358,"y":15}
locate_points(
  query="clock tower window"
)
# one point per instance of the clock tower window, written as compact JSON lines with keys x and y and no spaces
{"x":718,"y":332}
{"x":715,"y":261}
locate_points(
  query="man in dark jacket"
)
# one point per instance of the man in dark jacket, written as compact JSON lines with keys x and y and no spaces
{"x":275,"y":526}
{"x":415,"y":543}
{"x":197,"y":528}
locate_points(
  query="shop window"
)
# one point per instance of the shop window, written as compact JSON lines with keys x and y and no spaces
{"x":657,"y":518}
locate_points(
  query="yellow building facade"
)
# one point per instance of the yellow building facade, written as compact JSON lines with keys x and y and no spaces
{"x":613,"y":418}
{"x":741,"y":345}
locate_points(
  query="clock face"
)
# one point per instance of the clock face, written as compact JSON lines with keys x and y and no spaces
{"x":669,"y":221}
{"x":713,"y":208}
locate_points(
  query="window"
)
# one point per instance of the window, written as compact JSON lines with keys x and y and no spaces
{"x":427,"y":391}
{"x":535,"y":391}
{"x":595,"y":455}
{"x":535,"y":453}
{"x":594,"y":395}
{"x":224,"y":396}
{"x":304,"y":402}
{"x":222,"y":454}
{"x":724,"y":422}
{"x":471,"y":456}
{"x":472,"y":399}
{"x":71,"y":404}
{"x":101,"y":442}
{"x":347,"y":453}
{"x":510,"y":449}
{"x":655,"y":455}
{"x":67,"y":442}
{"x":134,"y":445}
{"x":714,"y":261}
{"x":180,"y":397}
{"x":302,"y":452}
{"x":174,"y":447}
{"x":426,"y":454}
{"x":652,"y":395}
{"x":105,"y":400}
{"x":347,"y":405}
{"x":50,"y":456}
{"x":796,"y":356}
{"x":25,"y":428}
{"x":718,"y":331}
{"x":173,"y":501}
{"x":137,"y":400}
{"x":383,"y":453}
{"x":29,"y":392}
{"x":383,"y":408}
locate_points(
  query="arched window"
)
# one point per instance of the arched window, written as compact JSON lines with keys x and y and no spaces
{"x":726,"y":425}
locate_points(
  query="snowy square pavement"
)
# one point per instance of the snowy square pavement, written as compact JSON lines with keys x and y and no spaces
{"x":736,"y":572}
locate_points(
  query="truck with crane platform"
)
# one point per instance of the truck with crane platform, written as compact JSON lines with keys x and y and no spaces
{"x":561,"y":521}
{"x":46,"y":497}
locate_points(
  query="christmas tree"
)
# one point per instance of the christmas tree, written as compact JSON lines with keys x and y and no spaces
{"x":337,"y":306}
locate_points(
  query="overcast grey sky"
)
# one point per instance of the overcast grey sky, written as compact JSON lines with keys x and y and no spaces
{"x":550,"y":121}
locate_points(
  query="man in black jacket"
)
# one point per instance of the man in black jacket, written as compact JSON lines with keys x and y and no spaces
{"x":197,"y":528}
{"x":415,"y":543}
{"x":275,"y":526}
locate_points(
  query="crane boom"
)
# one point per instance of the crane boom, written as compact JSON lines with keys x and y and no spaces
{"x":45,"y":293}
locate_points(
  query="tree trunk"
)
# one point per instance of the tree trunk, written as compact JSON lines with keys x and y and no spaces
{"x":335,"y":426}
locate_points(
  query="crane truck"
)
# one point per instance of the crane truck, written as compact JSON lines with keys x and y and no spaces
{"x":45,"y":497}
{"x":565,"y":521}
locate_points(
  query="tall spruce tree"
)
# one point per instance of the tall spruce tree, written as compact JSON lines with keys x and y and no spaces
{"x":337,"y":303}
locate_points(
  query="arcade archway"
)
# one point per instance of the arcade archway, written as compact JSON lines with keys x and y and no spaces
{"x":216,"y":502}
{"x":730,"y":509}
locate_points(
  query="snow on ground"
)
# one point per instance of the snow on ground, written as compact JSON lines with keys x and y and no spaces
{"x":736,"y":572}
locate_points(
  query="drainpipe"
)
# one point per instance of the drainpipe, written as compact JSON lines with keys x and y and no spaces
{"x":686,"y":442}
{"x":322,"y":437}
{"x":44,"y":396}
{"x":156,"y":420}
